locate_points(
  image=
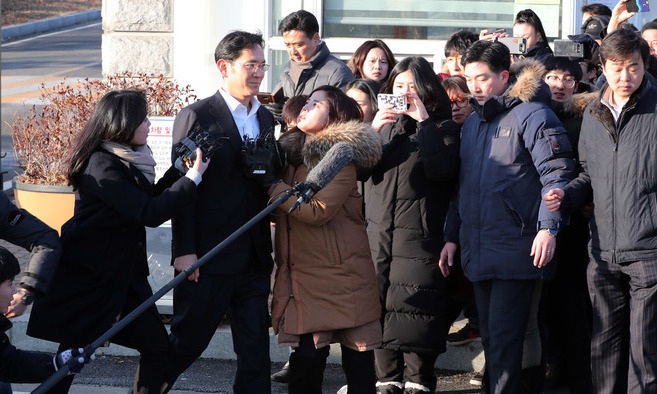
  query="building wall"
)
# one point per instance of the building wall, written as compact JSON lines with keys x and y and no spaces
{"x":177,"y":38}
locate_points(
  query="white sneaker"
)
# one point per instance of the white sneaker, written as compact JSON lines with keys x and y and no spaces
{"x":343,"y":390}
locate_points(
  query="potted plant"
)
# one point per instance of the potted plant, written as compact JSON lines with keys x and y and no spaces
{"x":42,"y":138}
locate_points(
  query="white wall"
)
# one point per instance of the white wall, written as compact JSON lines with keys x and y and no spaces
{"x":199,"y":25}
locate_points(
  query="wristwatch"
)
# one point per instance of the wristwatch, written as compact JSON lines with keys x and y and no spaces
{"x":27,"y":298}
{"x":551,"y":231}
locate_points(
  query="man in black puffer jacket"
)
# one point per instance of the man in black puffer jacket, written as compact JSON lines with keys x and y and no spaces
{"x":618,"y":155}
{"x":513,"y":150}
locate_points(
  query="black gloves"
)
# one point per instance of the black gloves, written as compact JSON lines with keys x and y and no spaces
{"x":74,"y":358}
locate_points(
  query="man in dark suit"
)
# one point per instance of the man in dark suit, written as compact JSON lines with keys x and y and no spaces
{"x":237,"y":279}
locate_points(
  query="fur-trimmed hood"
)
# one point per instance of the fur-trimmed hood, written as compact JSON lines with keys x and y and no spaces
{"x":365,"y":142}
{"x":525,"y":85}
{"x":574,"y":106}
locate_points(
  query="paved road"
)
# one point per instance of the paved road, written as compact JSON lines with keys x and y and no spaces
{"x":110,"y":375}
{"x":46,"y":59}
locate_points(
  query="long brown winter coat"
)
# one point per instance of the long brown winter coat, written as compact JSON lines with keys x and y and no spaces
{"x":325,"y":279}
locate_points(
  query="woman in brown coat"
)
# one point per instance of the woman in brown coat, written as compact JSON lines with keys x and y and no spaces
{"x":325,"y":289}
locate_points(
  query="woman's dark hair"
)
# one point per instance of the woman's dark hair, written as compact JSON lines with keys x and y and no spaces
{"x":369,"y":87}
{"x":115,"y":118}
{"x":342,"y":108}
{"x":455,"y":83}
{"x":292,"y":108}
{"x":9,"y":266}
{"x":621,"y":44}
{"x":301,"y":20}
{"x":230,"y":47}
{"x":431,"y":93}
{"x":529,"y":17}
{"x":356,"y":62}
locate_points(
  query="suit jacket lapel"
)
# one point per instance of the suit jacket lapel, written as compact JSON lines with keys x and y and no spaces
{"x":220,"y":111}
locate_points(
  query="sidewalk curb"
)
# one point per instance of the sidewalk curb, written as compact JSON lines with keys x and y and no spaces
{"x":45,"y":25}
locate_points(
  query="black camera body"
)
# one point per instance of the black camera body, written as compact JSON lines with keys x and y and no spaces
{"x":198,"y":137}
{"x":261,"y":156}
{"x":568,"y":48}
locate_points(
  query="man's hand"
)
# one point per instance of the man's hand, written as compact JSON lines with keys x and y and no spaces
{"x":16,"y":308}
{"x":543,"y":248}
{"x":619,"y":15}
{"x":552,"y":199}
{"x":181,"y":263}
{"x":447,"y":257}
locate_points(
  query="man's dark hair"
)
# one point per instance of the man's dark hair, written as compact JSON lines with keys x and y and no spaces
{"x":230,"y":47}
{"x":552,"y":63}
{"x":9,"y":266}
{"x":300,"y":20}
{"x":459,"y":42}
{"x":652,"y":25}
{"x":495,"y":54}
{"x":621,"y":44}
{"x":596,"y":9}
{"x":529,"y":17}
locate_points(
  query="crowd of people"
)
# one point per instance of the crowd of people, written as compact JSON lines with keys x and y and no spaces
{"x":517,"y":190}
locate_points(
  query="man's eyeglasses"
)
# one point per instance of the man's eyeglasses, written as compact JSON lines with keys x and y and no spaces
{"x":568,"y":82}
{"x":460,"y":102}
{"x":251,"y":67}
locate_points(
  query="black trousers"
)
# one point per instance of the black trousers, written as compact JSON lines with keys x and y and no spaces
{"x":198,"y":310}
{"x":146,"y":334}
{"x":624,"y":337}
{"x":402,"y":367}
{"x":307,"y":366}
{"x":506,"y":309}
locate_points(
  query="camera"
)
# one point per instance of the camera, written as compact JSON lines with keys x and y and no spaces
{"x":392,"y":101}
{"x":261,"y":156}
{"x":198,"y":137}
{"x":568,"y":48}
{"x":516,"y":45}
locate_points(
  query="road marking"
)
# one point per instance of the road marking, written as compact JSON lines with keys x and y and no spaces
{"x":49,"y":34}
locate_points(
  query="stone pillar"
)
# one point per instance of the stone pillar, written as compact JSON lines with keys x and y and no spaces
{"x":138,"y":36}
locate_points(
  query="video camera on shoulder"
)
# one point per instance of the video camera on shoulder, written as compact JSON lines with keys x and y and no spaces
{"x":198,"y":137}
{"x":516,"y":45}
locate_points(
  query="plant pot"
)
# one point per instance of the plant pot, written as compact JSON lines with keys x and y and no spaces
{"x":53,"y":205}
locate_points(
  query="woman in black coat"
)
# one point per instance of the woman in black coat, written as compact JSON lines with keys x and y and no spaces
{"x":407,"y":196}
{"x":102,"y":275}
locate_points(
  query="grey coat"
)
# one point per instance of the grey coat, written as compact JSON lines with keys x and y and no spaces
{"x":619,"y":168}
{"x":326,"y":70}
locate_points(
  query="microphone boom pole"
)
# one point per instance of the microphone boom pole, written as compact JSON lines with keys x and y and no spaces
{"x":91,"y":348}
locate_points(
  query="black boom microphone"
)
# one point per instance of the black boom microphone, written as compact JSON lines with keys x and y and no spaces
{"x":333,"y":162}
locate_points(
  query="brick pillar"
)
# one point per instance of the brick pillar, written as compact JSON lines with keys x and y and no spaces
{"x":138,"y":36}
